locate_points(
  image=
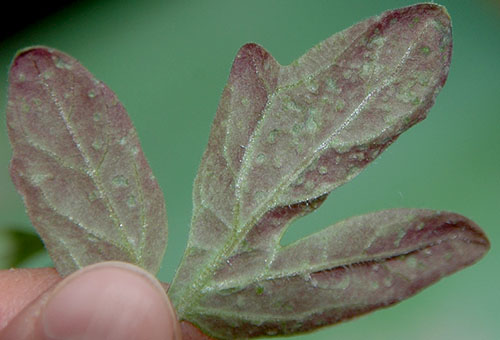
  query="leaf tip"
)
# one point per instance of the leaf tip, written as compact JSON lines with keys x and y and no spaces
{"x":480,"y":239}
{"x":31,"y":50}
{"x":26,"y":62}
{"x":251,"y":55}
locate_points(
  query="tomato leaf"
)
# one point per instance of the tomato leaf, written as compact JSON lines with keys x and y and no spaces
{"x":283,"y":138}
{"x":79,"y":166}
{"x":345,"y":270}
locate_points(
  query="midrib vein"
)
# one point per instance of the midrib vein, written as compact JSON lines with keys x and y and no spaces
{"x":194,"y":290}
{"x":92,"y":173}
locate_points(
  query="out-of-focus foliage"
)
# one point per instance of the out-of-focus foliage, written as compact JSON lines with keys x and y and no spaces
{"x":176,"y":54}
{"x":17,"y":246}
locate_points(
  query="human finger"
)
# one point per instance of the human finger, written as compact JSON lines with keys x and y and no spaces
{"x":111,"y":300}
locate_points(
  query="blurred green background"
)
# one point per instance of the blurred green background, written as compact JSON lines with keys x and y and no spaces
{"x":168,"y":62}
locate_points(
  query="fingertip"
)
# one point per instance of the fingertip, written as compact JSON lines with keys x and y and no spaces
{"x":112,"y":300}
{"x":20,"y":287}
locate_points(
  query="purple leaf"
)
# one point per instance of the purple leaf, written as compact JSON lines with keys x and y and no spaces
{"x":283,"y":138}
{"x":79,"y":166}
{"x":348,"y":269}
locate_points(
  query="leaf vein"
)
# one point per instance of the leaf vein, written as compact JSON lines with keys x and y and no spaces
{"x":86,"y":158}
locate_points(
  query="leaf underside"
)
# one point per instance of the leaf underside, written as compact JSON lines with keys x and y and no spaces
{"x":78,"y":164}
{"x":283,"y":138}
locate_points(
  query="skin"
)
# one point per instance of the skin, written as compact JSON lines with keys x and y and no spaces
{"x":110,"y":300}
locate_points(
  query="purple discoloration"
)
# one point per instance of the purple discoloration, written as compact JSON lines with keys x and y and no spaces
{"x":78,"y":163}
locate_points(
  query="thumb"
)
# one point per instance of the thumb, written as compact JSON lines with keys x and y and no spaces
{"x":110,"y":300}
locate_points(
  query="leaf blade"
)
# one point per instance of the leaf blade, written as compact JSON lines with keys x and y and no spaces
{"x":357,"y":117}
{"x":79,"y":166}
{"x":283,"y":138}
{"x":338,"y":280}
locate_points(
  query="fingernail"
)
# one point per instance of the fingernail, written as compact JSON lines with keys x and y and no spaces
{"x":111,"y":301}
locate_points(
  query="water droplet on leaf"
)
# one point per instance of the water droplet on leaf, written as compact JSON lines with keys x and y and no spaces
{"x":25,"y":107}
{"x":60,"y":63}
{"x":120,"y":181}
{"x":92,"y":196}
{"x":339,"y":105}
{"x":93,"y":239}
{"x":260,"y":158}
{"x":425,"y":50}
{"x":272,"y":136}
{"x":97,"y":144}
{"x":47,"y":74}
{"x":131,"y":201}
{"x":412,"y":262}
{"x":311,"y":125}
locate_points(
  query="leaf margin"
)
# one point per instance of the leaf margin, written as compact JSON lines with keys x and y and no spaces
{"x":35,"y":205}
